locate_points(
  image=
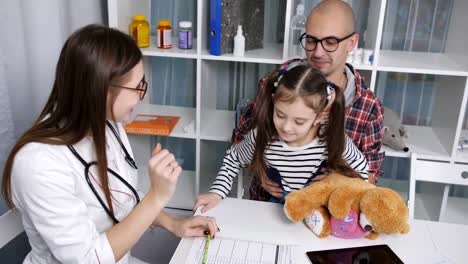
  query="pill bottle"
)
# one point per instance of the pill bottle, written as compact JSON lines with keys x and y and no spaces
{"x":164,"y":34}
{"x":140,"y":31}
{"x":185,"y":35}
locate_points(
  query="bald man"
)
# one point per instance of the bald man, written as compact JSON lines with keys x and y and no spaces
{"x":328,"y":39}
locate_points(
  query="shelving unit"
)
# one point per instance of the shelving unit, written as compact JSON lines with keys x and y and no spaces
{"x":433,"y":144}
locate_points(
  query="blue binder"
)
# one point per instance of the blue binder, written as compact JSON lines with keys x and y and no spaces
{"x":215,"y":27}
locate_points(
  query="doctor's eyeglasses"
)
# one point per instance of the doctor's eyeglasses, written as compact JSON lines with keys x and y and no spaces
{"x":142,"y":87}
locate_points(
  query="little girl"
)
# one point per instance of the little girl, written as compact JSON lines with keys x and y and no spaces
{"x":297,"y":130}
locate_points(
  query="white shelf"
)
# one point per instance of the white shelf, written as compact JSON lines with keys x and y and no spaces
{"x":422,"y":141}
{"x":395,"y":153}
{"x":427,"y":206}
{"x":174,"y":52}
{"x":456,"y":211}
{"x":419,"y":62}
{"x":270,"y":54}
{"x":400,"y":186}
{"x":433,"y":143}
{"x":462,"y":155}
{"x":217,"y":125}
{"x":186,"y":116}
{"x":184,"y":195}
{"x":364,"y":67}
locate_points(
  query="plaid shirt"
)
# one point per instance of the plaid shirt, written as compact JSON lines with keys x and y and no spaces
{"x":364,"y":121}
{"x":364,"y":124}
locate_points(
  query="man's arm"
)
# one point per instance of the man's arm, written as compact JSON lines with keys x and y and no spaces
{"x":372,"y":142}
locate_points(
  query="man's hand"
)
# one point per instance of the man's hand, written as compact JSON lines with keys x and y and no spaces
{"x":371,"y":179}
{"x":271,"y":187}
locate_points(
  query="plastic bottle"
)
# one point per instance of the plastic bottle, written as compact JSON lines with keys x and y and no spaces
{"x":239,"y":43}
{"x":298,"y":27}
{"x":358,"y":54}
{"x":185,"y":35}
{"x":164,"y":34}
{"x":140,"y":31}
{"x":368,"y":57}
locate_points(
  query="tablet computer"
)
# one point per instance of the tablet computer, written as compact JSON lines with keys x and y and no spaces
{"x":381,"y":254}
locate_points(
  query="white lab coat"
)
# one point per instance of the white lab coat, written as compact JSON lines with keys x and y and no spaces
{"x":61,"y":216}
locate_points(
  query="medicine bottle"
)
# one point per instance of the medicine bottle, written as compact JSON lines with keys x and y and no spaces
{"x":164,"y":34}
{"x":185,"y":35}
{"x":140,"y":31}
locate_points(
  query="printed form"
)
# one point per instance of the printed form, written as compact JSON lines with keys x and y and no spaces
{"x":231,"y":251}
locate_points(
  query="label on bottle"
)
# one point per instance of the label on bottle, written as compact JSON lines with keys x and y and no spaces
{"x":164,"y":38}
{"x":185,"y":39}
{"x":142,"y":36}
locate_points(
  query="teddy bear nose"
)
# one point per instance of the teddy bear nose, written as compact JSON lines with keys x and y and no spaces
{"x":368,"y":228}
{"x":405,"y":149}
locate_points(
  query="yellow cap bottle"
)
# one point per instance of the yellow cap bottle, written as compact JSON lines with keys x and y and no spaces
{"x":140,"y":31}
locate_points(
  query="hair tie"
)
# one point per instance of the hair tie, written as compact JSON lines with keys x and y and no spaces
{"x":287,"y":67}
{"x":330,"y":96}
{"x":330,"y":89}
{"x":281,"y":73}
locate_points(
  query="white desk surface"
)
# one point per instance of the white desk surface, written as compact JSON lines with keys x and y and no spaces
{"x":427,"y":242}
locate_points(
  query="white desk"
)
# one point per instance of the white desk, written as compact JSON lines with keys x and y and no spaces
{"x":260,"y":221}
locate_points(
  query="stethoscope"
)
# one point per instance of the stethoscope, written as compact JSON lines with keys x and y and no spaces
{"x":88,"y":165}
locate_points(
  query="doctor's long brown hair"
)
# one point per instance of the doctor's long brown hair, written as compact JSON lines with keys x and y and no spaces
{"x":307,"y":83}
{"x":91,"y":59}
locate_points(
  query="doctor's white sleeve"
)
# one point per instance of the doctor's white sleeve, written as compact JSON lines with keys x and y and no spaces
{"x":44,"y":193}
{"x":237,"y":156}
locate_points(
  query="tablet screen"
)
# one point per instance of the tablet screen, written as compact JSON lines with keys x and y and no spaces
{"x":381,"y":254}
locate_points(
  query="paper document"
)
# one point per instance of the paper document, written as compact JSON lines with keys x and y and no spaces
{"x":231,"y":251}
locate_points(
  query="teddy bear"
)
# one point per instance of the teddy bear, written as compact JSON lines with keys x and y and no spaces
{"x":348,"y":208}
{"x":394,"y":132}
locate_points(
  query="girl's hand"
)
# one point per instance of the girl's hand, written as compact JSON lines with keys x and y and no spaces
{"x":195,"y":226}
{"x":163,"y":172}
{"x":208,"y":200}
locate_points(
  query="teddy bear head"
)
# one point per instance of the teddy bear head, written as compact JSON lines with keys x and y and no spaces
{"x":383,"y":211}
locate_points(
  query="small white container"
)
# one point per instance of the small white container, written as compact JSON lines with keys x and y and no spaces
{"x":239,"y":43}
{"x":368,"y":57}
{"x":358,"y":54}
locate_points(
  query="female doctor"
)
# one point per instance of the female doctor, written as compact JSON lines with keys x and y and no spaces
{"x":72,"y":175}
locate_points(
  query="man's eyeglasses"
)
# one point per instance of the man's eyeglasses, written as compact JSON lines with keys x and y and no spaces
{"x":329,"y":44}
{"x":142,"y":87}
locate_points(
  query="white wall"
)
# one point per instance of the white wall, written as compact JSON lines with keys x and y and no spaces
{"x":31,"y":35}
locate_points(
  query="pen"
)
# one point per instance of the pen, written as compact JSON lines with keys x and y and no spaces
{"x":207,"y":245}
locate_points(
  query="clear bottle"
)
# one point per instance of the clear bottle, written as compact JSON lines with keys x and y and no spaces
{"x":140,"y":31}
{"x":239,"y":43}
{"x":298,"y":26}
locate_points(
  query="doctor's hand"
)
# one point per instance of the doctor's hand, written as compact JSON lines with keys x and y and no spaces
{"x":164,"y":172}
{"x":271,"y":187}
{"x":208,"y":200}
{"x":195,"y":226}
